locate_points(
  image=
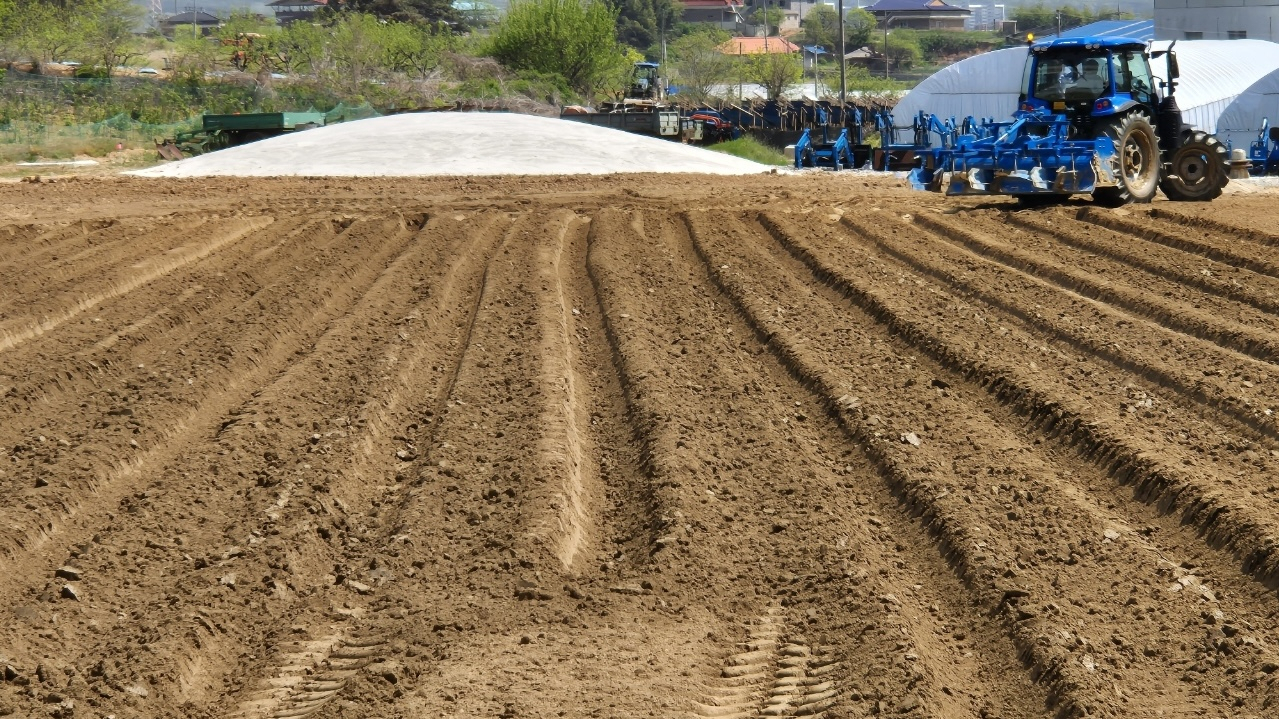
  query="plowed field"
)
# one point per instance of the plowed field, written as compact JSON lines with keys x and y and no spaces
{"x":643,"y":447}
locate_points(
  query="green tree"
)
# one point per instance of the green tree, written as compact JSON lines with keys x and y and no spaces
{"x":575,"y":39}
{"x":428,"y":11}
{"x":418,"y":50}
{"x":698,"y":63}
{"x":821,"y":26}
{"x":109,"y":31}
{"x":640,"y":23}
{"x":1034,"y":17}
{"x":193,"y":57}
{"x":859,"y":26}
{"x":48,"y":33}
{"x":358,"y":44}
{"x":301,"y":47}
{"x":775,"y":71}
{"x":773,"y":15}
{"x":903,"y":49}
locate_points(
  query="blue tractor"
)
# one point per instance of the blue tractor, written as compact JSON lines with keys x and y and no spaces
{"x":1090,"y":119}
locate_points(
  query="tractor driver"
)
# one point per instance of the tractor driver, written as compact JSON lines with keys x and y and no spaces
{"x":1091,"y":79}
{"x":1050,"y":86}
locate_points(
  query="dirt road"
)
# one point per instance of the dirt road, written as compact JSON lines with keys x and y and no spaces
{"x":644,"y":447}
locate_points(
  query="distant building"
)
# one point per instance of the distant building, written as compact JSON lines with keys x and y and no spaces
{"x":1217,"y":20}
{"x":291,"y":11}
{"x":724,"y":14}
{"x":919,"y":14}
{"x":793,"y":12}
{"x":986,"y":17}
{"x":204,"y":23}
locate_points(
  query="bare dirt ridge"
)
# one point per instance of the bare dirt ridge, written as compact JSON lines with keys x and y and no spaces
{"x":807,"y":446}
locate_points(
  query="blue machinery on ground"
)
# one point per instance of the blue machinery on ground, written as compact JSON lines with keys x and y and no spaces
{"x":1089,"y":121}
{"x":1264,"y":160}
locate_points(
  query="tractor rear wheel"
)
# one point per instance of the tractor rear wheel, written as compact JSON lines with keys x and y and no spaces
{"x":1136,"y":163}
{"x":1198,"y":170}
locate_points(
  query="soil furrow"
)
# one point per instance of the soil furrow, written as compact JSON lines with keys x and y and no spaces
{"x":83,"y":507}
{"x":1171,"y":272}
{"x":47,"y":318}
{"x":373,"y":458}
{"x":1258,"y":255}
{"x":1044,"y":503}
{"x":23,"y":245}
{"x":115,"y":249}
{"x":530,"y":447}
{"x":1230,"y":387}
{"x":166,"y":502}
{"x":1185,"y":318}
{"x":132,"y":329}
{"x":1061,"y":404}
{"x":857,"y":520}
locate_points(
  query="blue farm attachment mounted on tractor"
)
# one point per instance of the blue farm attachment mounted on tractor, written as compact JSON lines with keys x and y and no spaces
{"x":1264,"y":160}
{"x":1089,"y":121}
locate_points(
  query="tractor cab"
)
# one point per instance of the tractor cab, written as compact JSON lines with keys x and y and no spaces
{"x":646,"y":82}
{"x":1088,"y":80}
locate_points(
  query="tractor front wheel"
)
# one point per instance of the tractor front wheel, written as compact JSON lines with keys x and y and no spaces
{"x":1198,"y":170}
{"x":1136,"y":162}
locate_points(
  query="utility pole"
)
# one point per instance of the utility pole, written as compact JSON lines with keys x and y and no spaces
{"x":765,"y":27}
{"x":843,"y":83}
{"x":887,"y":20}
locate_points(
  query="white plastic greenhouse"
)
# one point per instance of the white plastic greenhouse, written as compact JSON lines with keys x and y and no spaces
{"x":1215,"y":74}
{"x":1240,"y":122}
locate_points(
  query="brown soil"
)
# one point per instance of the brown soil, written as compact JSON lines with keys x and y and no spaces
{"x":626,"y":447}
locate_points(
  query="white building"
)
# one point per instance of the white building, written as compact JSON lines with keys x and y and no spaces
{"x":985,"y":17}
{"x":1217,"y":20}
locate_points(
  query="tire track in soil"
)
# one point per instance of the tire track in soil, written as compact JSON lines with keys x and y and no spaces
{"x":1042,"y":485}
{"x":1064,"y":404}
{"x":1090,"y":327}
{"x":268,"y":350}
{"x":775,"y":670}
{"x":16,"y":331}
{"x":808,"y":545}
{"x":1246,"y":609}
{"x":301,"y":678}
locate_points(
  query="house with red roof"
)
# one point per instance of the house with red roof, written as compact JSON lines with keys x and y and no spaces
{"x":758,"y":46}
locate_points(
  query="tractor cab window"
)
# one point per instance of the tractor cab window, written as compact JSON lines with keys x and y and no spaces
{"x":1072,"y":76}
{"x":1132,"y":75}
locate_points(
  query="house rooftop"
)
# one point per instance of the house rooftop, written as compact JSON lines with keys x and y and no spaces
{"x":914,"y":6}
{"x":757,"y":46}
{"x":193,"y":18}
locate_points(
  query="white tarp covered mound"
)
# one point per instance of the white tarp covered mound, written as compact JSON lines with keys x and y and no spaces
{"x":454,"y":143}
{"x":1240,"y":122}
{"x":1213,"y":74}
